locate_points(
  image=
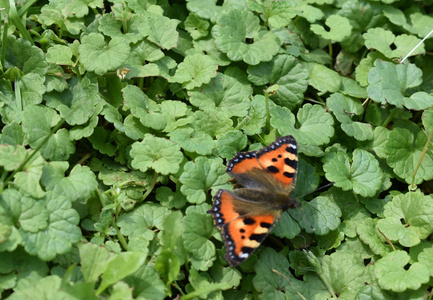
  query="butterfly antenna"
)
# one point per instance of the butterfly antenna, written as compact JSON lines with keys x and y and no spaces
{"x":316,"y":190}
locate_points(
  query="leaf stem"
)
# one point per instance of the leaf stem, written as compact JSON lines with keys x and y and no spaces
{"x":330,"y":52}
{"x":424,"y":151}
{"x":177,"y":287}
{"x":36,"y":150}
{"x":268,"y":116}
{"x":4,"y":41}
{"x":287,"y":279}
{"x":13,"y":16}
{"x":314,"y":261}
{"x":242,"y":123}
{"x":389,"y":242}
{"x":149,"y":190}
{"x":120,"y":236}
{"x":390,"y":117}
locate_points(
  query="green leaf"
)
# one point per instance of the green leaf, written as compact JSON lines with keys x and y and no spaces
{"x":77,"y":104}
{"x":34,"y":215}
{"x":369,"y":235}
{"x":99,"y":57}
{"x":363,"y":176}
{"x":352,"y":88}
{"x":345,"y":273}
{"x":49,"y":286}
{"x":199,"y":176}
{"x":193,"y":141}
{"x":390,"y":83}
{"x":392,"y":273}
{"x":12,"y":156}
{"x":206,"y":9}
{"x":12,"y":134}
{"x":62,"y":230}
{"x":285,"y":71}
{"x":404,"y":155}
{"x":211,"y":122}
{"x":316,"y":125}
{"x":286,"y":227}
{"x":344,"y":109}
{"x":203,"y":286}
{"x":102,"y":142}
{"x":255,"y":120}
{"x":170,"y":199}
{"x":230,"y":142}
{"x":147,"y":283}
{"x":381,"y":136}
{"x":231,"y":31}
{"x":283,"y":120}
{"x":198,"y":229}
{"x":195,"y":70}
{"x":277,"y":13}
{"x":339,"y":28}
{"x":419,"y":21}
{"x":168,"y":266}
{"x":32,"y":88}
{"x":141,"y":220}
{"x":320,"y":215}
{"x":272,"y":285}
{"x":408,"y":219}
{"x":108,"y":25}
{"x":156,"y":153}
{"x":223,"y":92}
{"x":172,"y":112}
{"x":197,"y":27}
{"x":79,"y":185}
{"x":59,"y":55}
{"x":207,"y":46}
{"x":382,"y":40}
{"x":173,"y":228}
{"x":353,"y":212}
{"x":28,"y":179}
{"x":94,"y":260}
{"x":37,"y":124}
{"x":162,"y":31}
{"x":323,"y":79}
{"x":21,"y":54}
{"x":425,"y":258}
{"x":119,"y":267}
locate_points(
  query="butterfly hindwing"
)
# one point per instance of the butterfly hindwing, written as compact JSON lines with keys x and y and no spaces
{"x":243,"y":231}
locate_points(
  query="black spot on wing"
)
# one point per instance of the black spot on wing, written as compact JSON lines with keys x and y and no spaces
{"x":249,"y":221}
{"x":247,"y":250}
{"x":273,"y":169}
{"x":288,"y":175}
{"x":291,"y":150}
{"x":291,"y":163}
{"x":265,"y":225}
{"x":258,"y":237}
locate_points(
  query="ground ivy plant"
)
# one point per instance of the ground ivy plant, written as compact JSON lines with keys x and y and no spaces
{"x":118,"y":117}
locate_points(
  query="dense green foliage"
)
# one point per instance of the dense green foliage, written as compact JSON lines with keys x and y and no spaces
{"x":118,"y":117}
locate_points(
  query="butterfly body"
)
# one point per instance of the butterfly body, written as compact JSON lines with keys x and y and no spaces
{"x":247,"y":215}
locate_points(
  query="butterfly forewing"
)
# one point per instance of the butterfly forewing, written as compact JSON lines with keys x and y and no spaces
{"x":281,"y":159}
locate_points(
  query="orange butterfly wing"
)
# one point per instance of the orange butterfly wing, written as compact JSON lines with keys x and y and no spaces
{"x":242,"y":233}
{"x":246,"y":216}
{"x":272,"y":167}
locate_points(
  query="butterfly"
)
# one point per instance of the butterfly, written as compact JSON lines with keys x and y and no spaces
{"x":247,"y":215}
